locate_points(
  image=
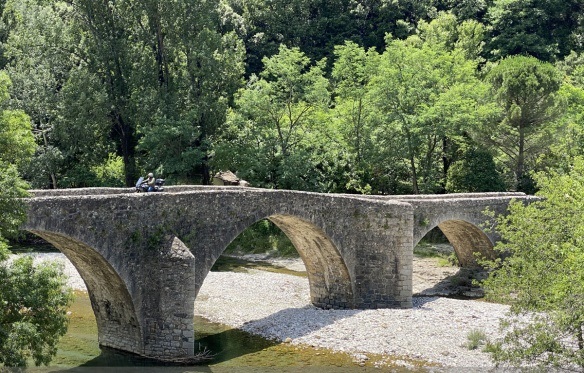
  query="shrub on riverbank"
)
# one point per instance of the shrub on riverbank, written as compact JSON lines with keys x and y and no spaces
{"x":33,"y":311}
{"x":543,"y":275}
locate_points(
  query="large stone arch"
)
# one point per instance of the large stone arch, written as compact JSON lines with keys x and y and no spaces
{"x":328,"y":275}
{"x":117,"y":321}
{"x":329,"y":278}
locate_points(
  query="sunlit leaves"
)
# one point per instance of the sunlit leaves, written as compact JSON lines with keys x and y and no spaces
{"x":525,"y":90}
{"x":427,"y":91}
{"x":276,"y":123}
{"x":33,"y":306}
{"x":542,"y":274}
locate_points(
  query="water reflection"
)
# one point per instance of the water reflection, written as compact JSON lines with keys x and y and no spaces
{"x":226,"y":344}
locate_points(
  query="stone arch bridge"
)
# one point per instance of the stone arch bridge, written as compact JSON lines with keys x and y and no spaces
{"x":144,"y":256}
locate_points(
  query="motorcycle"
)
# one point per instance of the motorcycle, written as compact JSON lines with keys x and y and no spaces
{"x":142,"y":186}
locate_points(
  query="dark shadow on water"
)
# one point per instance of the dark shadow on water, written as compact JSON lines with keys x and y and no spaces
{"x":227,"y":344}
{"x":224,"y":343}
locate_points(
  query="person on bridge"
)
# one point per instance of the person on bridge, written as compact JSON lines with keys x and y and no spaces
{"x":151,"y":181}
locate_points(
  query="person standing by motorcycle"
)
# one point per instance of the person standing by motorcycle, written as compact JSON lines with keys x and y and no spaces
{"x":151,"y":181}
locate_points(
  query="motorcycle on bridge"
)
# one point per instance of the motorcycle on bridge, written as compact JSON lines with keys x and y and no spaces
{"x":142,"y":185}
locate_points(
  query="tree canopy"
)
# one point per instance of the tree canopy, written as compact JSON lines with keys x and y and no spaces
{"x":33,"y":299}
{"x":133,"y":87}
{"x":525,"y":90}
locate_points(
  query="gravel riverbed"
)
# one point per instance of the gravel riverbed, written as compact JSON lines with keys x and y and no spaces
{"x":277,"y":306}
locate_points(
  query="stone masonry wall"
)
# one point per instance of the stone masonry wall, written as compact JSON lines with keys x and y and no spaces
{"x":137,"y":253}
{"x":144,"y":256}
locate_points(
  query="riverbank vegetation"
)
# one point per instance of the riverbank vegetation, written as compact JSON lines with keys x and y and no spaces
{"x":380,"y":97}
{"x":33,"y":299}
{"x":542,"y":276}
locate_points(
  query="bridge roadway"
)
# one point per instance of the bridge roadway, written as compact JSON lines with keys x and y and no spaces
{"x":144,"y":256}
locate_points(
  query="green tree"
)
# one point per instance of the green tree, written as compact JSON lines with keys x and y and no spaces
{"x":427,"y":88}
{"x":465,"y":9}
{"x":475,"y":172}
{"x":124,"y":77}
{"x":545,"y":29}
{"x":16,"y":147}
{"x":569,"y":133}
{"x":38,"y":64}
{"x":353,"y":117}
{"x":542,"y":276}
{"x":33,"y":315}
{"x":185,"y":85}
{"x":525,"y":89}
{"x":275,"y":124}
{"x":16,"y":140}
{"x":317,"y":26}
{"x":106,"y":51}
{"x":33,"y":300}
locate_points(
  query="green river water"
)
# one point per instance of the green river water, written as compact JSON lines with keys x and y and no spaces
{"x":232,"y":351}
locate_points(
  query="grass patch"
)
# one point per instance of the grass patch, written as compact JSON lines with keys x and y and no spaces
{"x":443,"y":262}
{"x":475,"y":339}
{"x":441,"y":251}
{"x":427,"y":251}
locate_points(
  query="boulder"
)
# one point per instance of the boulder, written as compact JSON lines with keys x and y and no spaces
{"x":228,"y":178}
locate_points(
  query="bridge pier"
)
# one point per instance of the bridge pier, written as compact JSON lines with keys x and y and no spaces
{"x":165,"y":301}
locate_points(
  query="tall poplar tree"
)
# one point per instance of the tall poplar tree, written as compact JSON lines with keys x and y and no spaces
{"x":147,"y":80}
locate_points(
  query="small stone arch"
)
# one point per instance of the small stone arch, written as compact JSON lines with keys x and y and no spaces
{"x":117,"y":321}
{"x":468,"y":240}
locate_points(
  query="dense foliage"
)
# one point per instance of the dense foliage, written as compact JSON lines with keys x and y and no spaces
{"x":33,"y":312}
{"x":542,"y":277}
{"x":342,"y":96}
{"x":33,"y":299}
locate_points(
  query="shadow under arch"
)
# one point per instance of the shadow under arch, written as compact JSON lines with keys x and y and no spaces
{"x":468,"y":240}
{"x":328,"y":276}
{"x":117,"y":322}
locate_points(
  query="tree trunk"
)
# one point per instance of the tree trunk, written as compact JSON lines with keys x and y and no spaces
{"x":127,"y":148}
{"x":520,"y":170}
{"x":445,"y":164}
{"x":52,"y":175}
{"x":412,"y":159}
